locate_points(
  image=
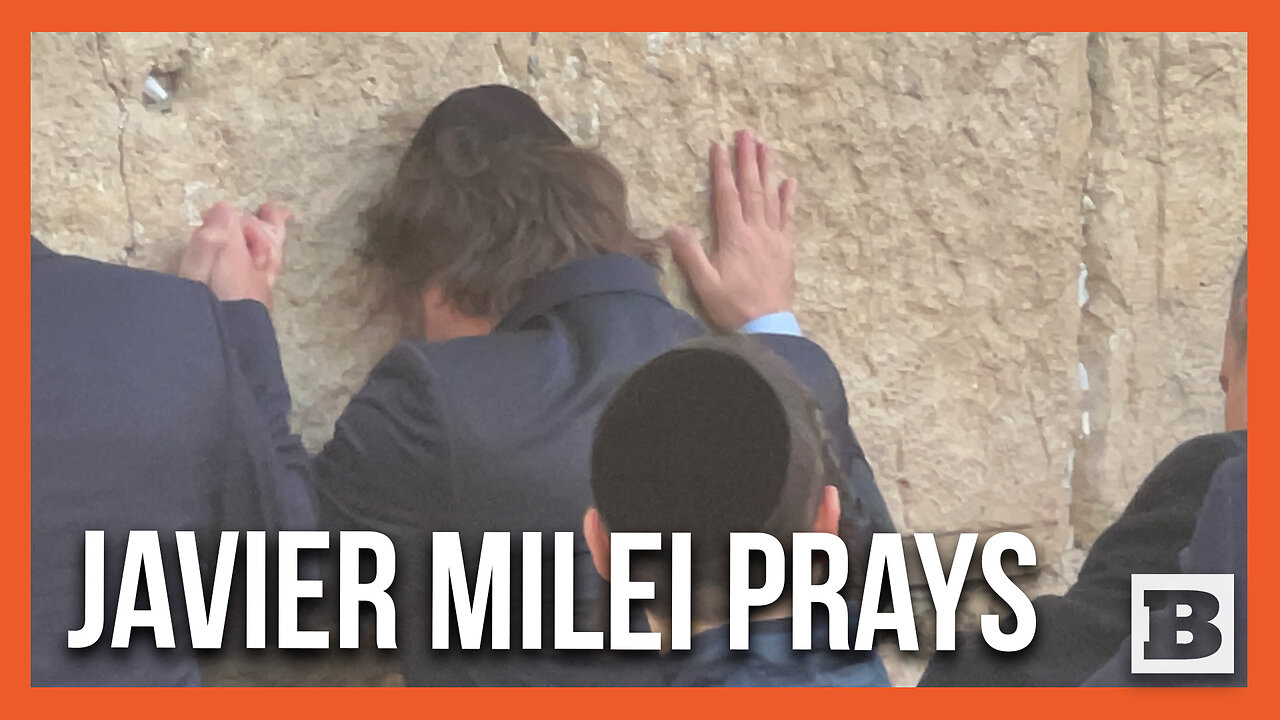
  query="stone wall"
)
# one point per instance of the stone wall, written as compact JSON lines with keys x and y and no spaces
{"x":953,"y":189}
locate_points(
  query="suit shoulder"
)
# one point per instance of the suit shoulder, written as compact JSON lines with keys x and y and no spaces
{"x":95,"y":307}
{"x":99,"y":281}
{"x":809,"y":361}
{"x":1183,"y":475}
{"x":1210,"y":450}
{"x":504,"y":355}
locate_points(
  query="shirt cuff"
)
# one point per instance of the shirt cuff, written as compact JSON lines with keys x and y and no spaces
{"x":779,"y":323}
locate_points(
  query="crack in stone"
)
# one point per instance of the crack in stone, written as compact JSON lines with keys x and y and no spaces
{"x":1044,"y":441}
{"x":123,"y":126}
{"x":1085,"y":448}
{"x":504,"y":62}
{"x":1104,"y":303}
{"x":1161,"y":224}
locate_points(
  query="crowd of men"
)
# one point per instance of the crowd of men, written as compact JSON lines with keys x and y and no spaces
{"x":547,"y":384}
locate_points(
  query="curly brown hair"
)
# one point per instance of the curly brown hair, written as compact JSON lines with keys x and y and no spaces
{"x":491,"y":194}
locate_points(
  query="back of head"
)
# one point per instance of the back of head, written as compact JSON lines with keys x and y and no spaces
{"x":490,"y":194}
{"x":715,"y":436}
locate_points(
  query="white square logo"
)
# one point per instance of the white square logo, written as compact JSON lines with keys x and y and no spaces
{"x":1198,"y":636}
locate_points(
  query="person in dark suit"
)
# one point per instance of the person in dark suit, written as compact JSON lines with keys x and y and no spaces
{"x":1078,"y":631}
{"x":153,"y":407}
{"x":1219,"y":545}
{"x":533,"y":301}
{"x":713,"y":437}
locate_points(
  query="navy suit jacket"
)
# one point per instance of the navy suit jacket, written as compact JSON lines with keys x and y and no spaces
{"x":145,"y":416}
{"x":494,"y":433}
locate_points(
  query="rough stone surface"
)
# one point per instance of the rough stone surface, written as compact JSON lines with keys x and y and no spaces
{"x":1167,"y":186}
{"x":953,"y":186}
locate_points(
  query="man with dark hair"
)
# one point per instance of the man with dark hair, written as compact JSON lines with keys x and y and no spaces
{"x":153,"y":407}
{"x":533,"y":301}
{"x":713,"y":437}
{"x":1077,"y":632}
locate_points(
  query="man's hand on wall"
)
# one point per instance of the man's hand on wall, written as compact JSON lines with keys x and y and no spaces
{"x":264,"y":233}
{"x":237,"y":256}
{"x":750,"y":271}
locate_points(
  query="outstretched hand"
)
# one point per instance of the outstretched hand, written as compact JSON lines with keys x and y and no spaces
{"x":750,"y":271}
{"x":238,"y":256}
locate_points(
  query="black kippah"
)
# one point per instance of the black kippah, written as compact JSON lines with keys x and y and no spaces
{"x":494,"y":113}
{"x":696,"y":440}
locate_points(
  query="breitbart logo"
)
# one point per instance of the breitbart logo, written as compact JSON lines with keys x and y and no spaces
{"x":1197,"y":637}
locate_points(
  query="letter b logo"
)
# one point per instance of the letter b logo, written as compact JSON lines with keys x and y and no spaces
{"x":1198,"y":636}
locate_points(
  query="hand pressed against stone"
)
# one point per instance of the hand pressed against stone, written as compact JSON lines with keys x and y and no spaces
{"x":237,"y":256}
{"x":750,"y":271}
{"x":264,"y":233}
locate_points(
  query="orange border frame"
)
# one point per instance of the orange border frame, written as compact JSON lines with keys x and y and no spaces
{"x":622,"y":703}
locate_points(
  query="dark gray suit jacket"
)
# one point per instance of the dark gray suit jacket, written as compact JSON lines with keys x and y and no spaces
{"x":153,"y":407}
{"x":494,"y":433}
{"x":1219,"y":545}
{"x":1077,"y":632}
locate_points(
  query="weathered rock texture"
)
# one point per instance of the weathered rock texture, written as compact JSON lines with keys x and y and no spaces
{"x":1168,"y":178}
{"x":953,"y":188}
